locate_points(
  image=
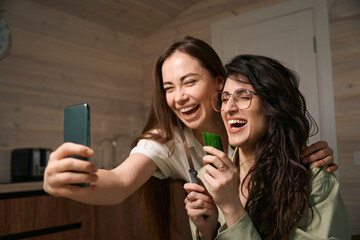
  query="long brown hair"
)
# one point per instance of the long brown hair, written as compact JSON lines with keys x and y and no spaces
{"x":278,"y":181}
{"x":156,"y":193}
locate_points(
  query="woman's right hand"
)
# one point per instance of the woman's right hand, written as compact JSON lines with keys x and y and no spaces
{"x":198,"y":204}
{"x":62,"y":171}
{"x":224,"y":181}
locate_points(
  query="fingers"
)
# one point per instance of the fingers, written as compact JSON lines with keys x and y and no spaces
{"x":190,"y":187}
{"x":316,"y":154}
{"x":197,"y":193}
{"x":62,"y":171}
{"x":224,"y":159}
{"x":325,"y":161}
{"x":70,"y":170}
{"x":214,"y":161}
{"x":75,"y":177}
{"x":69,"y":190}
{"x":332,"y":168}
{"x":59,"y":183}
{"x":198,"y":212}
{"x":225,"y":170}
{"x":198,"y":204}
{"x":72,"y":164}
{"x":198,"y":200}
{"x":313,"y":148}
{"x":321,"y":154}
{"x":219,"y":160}
{"x":307,"y":151}
{"x":67,"y":149}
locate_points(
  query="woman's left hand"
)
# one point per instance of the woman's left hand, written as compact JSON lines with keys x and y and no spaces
{"x":201,"y":209}
{"x":224,"y":181}
{"x":321,"y":154}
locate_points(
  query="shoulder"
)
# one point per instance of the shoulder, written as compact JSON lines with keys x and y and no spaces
{"x":148,"y":143}
{"x":159,"y":148}
{"x":322,"y":184}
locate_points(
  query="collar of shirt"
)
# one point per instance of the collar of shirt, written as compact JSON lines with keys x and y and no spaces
{"x":191,"y":139}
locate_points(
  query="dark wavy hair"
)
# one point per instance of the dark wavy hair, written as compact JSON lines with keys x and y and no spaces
{"x":278,"y":181}
{"x":156,"y":194}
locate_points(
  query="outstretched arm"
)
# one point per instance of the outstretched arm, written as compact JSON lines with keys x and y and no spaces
{"x":106,"y":186}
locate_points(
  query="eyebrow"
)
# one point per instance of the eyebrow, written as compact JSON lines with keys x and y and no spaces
{"x":242,"y":81}
{"x":237,"y":78}
{"x":184,"y":77}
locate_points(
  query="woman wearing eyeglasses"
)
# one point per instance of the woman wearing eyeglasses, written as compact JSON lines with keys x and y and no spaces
{"x":264,"y":192}
{"x":186,"y":75}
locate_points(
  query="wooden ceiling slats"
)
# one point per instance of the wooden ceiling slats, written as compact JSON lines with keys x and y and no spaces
{"x":137,"y":18}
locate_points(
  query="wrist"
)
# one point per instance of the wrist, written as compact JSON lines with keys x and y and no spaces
{"x":210,"y":236}
{"x":233,"y":215}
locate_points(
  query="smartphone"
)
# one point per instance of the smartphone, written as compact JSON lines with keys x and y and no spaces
{"x":77,"y":127}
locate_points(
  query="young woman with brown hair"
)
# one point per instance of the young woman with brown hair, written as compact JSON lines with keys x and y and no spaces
{"x":265,"y":192}
{"x":186,"y":75}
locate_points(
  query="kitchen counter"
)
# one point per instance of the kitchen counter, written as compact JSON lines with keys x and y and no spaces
{"x":21,"y":187}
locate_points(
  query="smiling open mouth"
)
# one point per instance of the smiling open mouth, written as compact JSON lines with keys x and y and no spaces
{"x":237,"y":123}
{"x":189,"y":110}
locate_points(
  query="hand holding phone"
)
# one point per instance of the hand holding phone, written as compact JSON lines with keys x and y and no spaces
{"x":77,"y":127}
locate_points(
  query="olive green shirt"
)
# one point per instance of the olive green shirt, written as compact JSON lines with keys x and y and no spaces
{"x":330,"y":218}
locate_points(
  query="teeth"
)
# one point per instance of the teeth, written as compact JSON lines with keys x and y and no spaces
{"x":237,"y":121}
{"x":187,"y":109}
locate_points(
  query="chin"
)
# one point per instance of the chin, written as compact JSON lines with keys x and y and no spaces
{"x":194,"y":124}
{"x":236,"y":142}
{"x":199,"y":122}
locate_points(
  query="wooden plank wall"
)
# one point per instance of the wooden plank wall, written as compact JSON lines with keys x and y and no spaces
{"x":344,"y":19}
{"x":58,"y":60}
{"x":344,"y":16}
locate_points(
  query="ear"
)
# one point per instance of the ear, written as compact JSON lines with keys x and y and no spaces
{"x":221,"y":83}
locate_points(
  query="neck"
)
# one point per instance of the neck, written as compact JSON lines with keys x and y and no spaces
{"x":246,"y":160}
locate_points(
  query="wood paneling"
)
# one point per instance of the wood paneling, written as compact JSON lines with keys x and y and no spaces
{"x":42,"y":214}
{"x":32,"y":213}
{"x":136,"y":18}
{"x":68,"y":235}
{"x":344,"y":19}
{"x":59,"y":59}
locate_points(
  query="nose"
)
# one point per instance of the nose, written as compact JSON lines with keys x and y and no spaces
{"x":230,"y":106}
{"x":180,"y":95}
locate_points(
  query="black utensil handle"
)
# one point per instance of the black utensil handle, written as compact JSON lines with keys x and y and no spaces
{"x":194,"y":179}
{"x":193,"y":176}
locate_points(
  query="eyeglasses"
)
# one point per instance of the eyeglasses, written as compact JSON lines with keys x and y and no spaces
{"x":242,"y":98}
